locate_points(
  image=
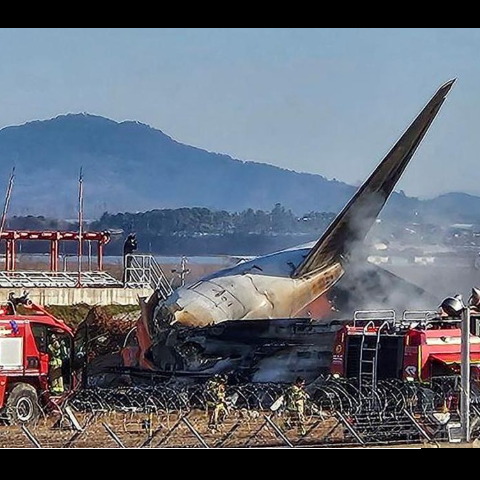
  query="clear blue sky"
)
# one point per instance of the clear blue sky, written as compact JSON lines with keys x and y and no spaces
{"x":327,"y":101}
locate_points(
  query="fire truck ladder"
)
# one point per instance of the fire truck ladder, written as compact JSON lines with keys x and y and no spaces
{"x":369,"y":355}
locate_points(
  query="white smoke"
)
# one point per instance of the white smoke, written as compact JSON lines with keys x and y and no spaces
{"x":368,"y":287}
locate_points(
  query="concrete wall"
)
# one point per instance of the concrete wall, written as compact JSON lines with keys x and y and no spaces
{"x":76,"y":296}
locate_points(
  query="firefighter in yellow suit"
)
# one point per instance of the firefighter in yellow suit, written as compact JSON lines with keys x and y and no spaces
{"x":217,"y":401}
{"x":296,"y":399}
{"x":56,"y":366}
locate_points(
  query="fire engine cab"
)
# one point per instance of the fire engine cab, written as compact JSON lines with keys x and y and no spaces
{"x":25,"y":338}
{"x":420,"y":347}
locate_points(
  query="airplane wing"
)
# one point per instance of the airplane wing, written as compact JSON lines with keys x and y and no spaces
{"x":355,"y":222}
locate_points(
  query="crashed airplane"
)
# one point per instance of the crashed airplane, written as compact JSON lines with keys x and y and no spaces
{"x":283,"y":285}
{"x":277,"y":287}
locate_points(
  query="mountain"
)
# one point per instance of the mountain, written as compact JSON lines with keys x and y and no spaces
{"x":453,"y":207}
{"x":132,"y":167}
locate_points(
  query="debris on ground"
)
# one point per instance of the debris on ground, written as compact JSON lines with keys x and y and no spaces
{"x":103,"y":334}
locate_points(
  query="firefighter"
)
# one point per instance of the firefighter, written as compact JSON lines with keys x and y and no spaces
{"x":56,"y":366}
{"x":217,"y":401}
{"x":296,"y":399}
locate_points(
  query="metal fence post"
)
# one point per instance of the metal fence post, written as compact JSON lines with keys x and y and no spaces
{"x":466,"y":376}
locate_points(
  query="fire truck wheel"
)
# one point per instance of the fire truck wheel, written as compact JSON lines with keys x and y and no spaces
{"x":22,"y":405}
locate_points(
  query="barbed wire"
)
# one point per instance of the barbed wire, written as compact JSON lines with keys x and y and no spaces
{"x":338,"y":414}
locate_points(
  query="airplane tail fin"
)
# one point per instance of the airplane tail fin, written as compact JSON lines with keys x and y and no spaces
{"x":358,"y":217}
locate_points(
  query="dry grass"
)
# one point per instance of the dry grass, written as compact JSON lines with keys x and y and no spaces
{"x":136,"y":430}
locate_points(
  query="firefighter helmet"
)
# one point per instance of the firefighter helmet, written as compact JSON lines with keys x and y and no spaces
{"x":453,"y":306}
{"x":475,"y":298}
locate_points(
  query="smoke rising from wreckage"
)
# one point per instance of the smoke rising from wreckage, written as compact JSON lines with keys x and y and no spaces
{"x":240,"y":320}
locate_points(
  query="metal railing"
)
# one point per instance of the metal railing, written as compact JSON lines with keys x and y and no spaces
{"x":143,"y":271}
{"x":57,"y":280}
{"x":420,"y":316}
{"x":375,"y":316}
{"x":378,"y":317}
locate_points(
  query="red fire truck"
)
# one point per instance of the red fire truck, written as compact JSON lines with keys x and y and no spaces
{"x":25,"y":360}
{"x":420,"y":347}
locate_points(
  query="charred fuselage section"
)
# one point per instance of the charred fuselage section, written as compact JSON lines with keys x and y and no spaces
{"x":265,"y":351}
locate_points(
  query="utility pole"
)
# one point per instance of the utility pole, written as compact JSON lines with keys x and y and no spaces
{"x":184,"y":272}
{"x":466,"y":376}
{"x":80,"y":228}
{"x":8,"y":198}
{"x":3,"y":224}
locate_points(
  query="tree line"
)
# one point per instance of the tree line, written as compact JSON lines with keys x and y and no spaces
{"x":193,"y":222}
{"x":191,"y":231}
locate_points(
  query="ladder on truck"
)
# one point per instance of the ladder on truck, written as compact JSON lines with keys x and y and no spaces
{"x":369,"y":356}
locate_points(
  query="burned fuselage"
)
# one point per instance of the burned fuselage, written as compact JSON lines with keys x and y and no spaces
{"x":278,"y":351}
{"x":260,"y":289}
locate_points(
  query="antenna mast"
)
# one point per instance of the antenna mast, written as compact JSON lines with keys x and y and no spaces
{"x":6,"y":207}
{"x":80,"y":227}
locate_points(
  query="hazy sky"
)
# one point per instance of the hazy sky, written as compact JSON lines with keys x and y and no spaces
{"x":327,"y":101}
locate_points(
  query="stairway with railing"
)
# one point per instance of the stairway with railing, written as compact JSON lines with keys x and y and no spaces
{"x":143,"y":271}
